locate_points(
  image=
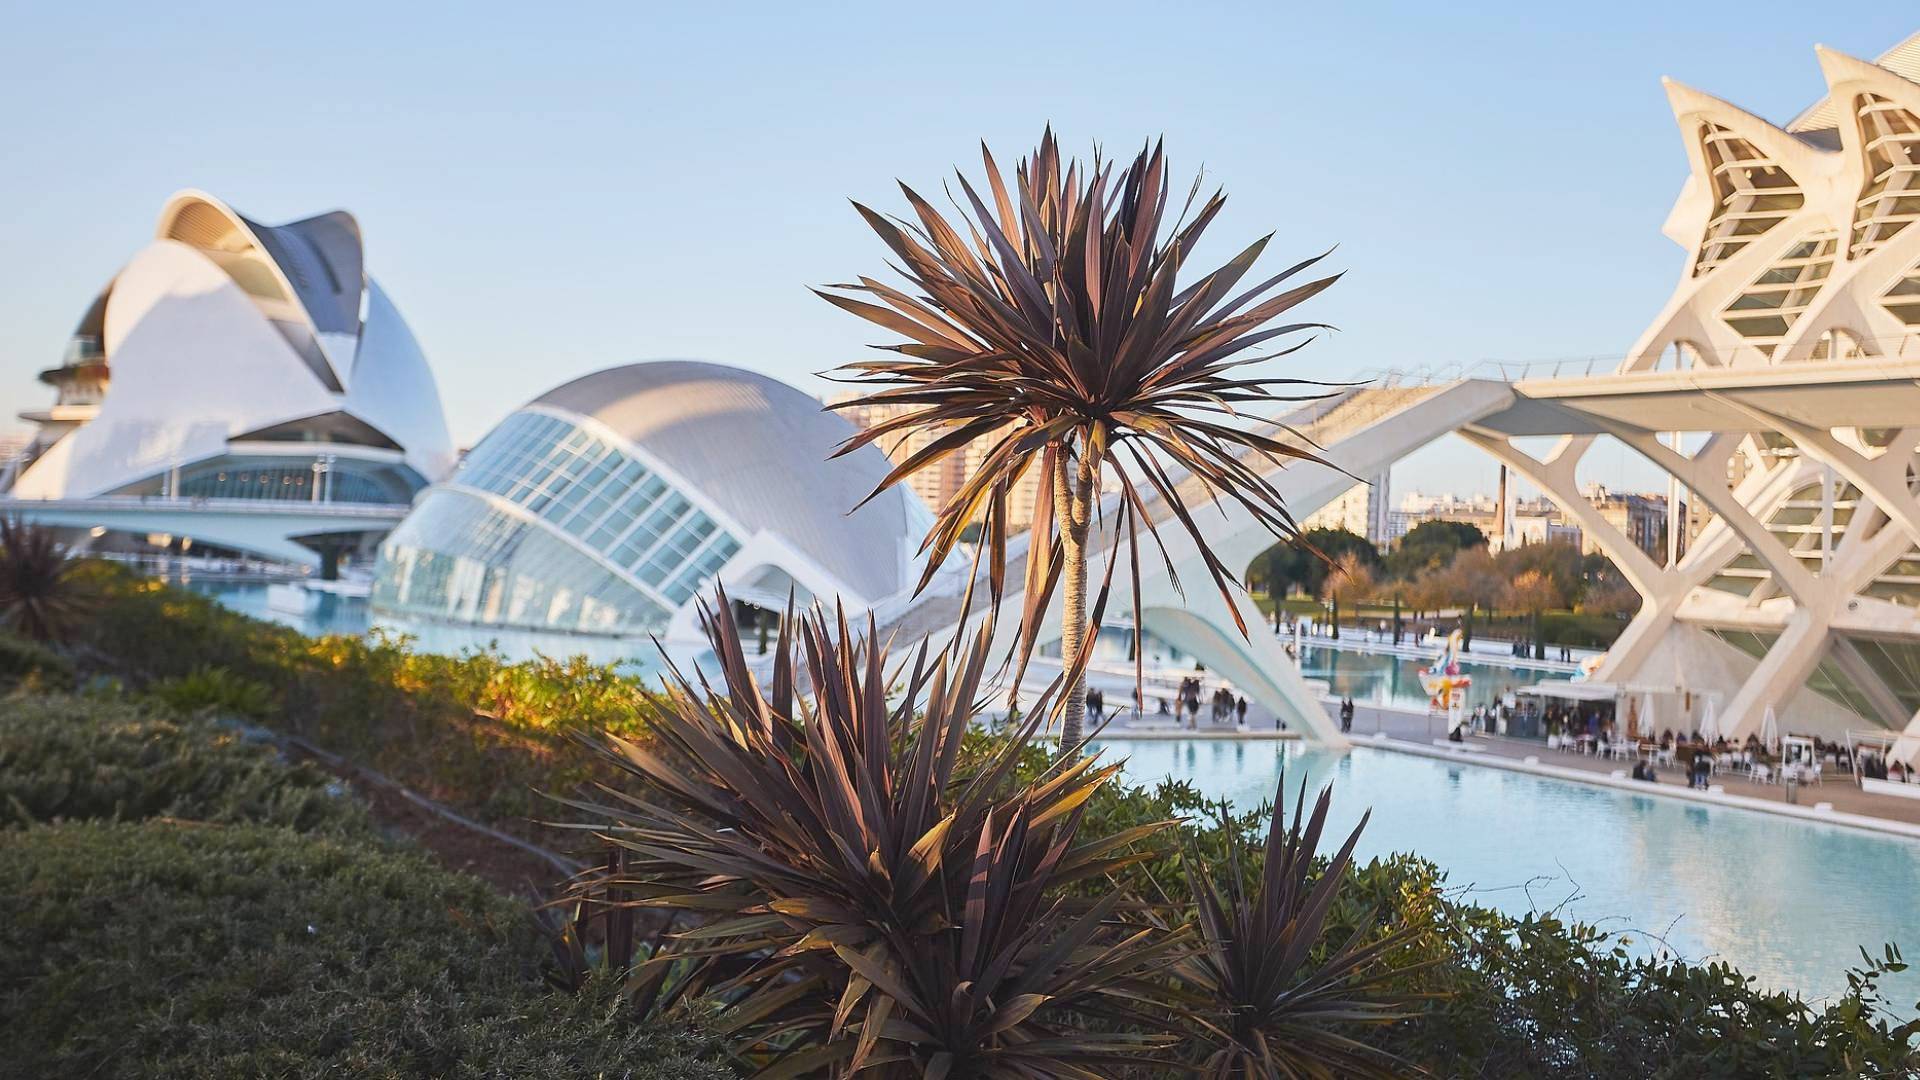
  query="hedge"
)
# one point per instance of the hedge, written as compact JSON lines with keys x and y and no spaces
{"x":25,"y":661}
{"x":70,"y":758}
{"x":166,"y":949}
{"x":475,"y":731}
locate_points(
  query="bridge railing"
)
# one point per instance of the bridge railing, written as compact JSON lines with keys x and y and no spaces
{"x":303,"y":507}
{"x":1503,"y":370}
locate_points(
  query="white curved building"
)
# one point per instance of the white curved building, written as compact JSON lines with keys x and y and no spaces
{"x":609,"y":504}
{"x":247,"y":363}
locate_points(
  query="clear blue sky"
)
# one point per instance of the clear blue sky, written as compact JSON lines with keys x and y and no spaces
{"x":548,"y":192}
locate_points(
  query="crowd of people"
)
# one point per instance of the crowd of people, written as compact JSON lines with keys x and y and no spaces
{"x":1223,"y":705}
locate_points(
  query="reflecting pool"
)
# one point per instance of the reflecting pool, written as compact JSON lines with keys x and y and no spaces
{"x":326,"y":613}
{"x":1786,"y":901}
{"x":1380,"y":679}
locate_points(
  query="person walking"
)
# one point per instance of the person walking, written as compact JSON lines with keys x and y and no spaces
{"x":1346,"y":715}
{"x":1240,"y":713}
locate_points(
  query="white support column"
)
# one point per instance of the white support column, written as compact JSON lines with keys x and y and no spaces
{"x":1661,"y":591}
{"x":1780,"y":674}
{"x":1713,"y":491}
{"x":1907,"y":747}
{"x":1259,"y":664}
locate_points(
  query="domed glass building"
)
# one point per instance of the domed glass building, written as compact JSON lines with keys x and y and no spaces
{"x":607,"y":505}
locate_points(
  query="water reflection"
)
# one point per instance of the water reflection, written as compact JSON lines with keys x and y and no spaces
{"x":1786,"y":901}
{"x":1379,"y":679}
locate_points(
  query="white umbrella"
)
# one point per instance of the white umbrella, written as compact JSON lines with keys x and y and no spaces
{"x":1769,"y":728}
{"x":1709,"y":724}
{"x":1647,"y":728}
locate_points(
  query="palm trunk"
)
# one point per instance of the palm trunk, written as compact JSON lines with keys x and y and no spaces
{"x":1073,"y":501}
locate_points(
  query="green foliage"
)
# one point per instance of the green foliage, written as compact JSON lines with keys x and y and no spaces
{"x":73,"y":759}
{"x":1540,"y":997}
{"x":1304,"y":561}
{"x":29,"y":663}
{"x":474,"y":731}
{"x":172,"y":950}
{"x":1430,"y":546}
{"x":215,"y":690}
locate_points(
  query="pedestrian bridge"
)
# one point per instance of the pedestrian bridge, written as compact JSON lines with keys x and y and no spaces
{"x":269,"y":528}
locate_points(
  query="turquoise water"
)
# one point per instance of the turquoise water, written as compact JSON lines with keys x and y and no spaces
{"x":351,"y":615}
{"x":1786,"y":901}
{"x":1378,"y":679}
{"x":330,"y":614}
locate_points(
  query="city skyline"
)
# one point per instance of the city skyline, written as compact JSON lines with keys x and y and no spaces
{"x":620,"y":226}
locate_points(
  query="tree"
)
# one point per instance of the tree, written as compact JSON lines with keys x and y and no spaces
{"x":1610,"y":596}
{"x":1473,"y":582}
{"x":1305,"y":559}
{"x":1051,"y":327}
{"x":1350,"y":579}
{"x":1559,"y":561}
{"x":1533,"y":592}
{"x":1430,"y":545}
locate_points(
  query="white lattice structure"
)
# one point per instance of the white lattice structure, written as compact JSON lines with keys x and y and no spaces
{"x":1784,"y":364}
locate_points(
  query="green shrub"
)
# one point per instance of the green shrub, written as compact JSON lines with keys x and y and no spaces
{"x":24,"y":661}
{"x":67,"y":758}
{"x":216,"y":690}
{"x":1540,"y":997}
{"x":474,"y":731}
{"x":166,"y":949}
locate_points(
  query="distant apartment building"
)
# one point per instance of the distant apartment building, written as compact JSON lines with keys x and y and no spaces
{"x":1541,"y":527}
{"x":1362,"y":509}
{"x":1534,"y":521}
{"x":942,"y":481}
{"x":1640,"y":517}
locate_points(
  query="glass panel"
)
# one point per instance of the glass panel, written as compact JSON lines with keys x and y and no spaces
{"x":457,"y":558}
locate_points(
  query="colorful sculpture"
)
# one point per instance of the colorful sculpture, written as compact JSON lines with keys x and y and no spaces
{"x":1444,"y":680}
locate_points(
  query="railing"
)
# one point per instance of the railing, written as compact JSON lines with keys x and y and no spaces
{"x":124,"y":503}
{"x":1502,"y":370}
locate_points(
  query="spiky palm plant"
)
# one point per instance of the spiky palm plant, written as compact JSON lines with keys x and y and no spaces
{"x":1053,"y":325}
{"x":870,"y":906}
{"x":39,"y":594}
{"x":1273,"y":1006}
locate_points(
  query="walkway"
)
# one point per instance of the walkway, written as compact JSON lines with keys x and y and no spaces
{"x":1420,"y":730}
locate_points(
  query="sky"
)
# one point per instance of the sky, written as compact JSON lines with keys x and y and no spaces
{"x":545,"y":193}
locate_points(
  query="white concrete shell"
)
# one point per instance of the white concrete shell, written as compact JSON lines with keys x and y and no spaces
{"x":222,"y":329}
